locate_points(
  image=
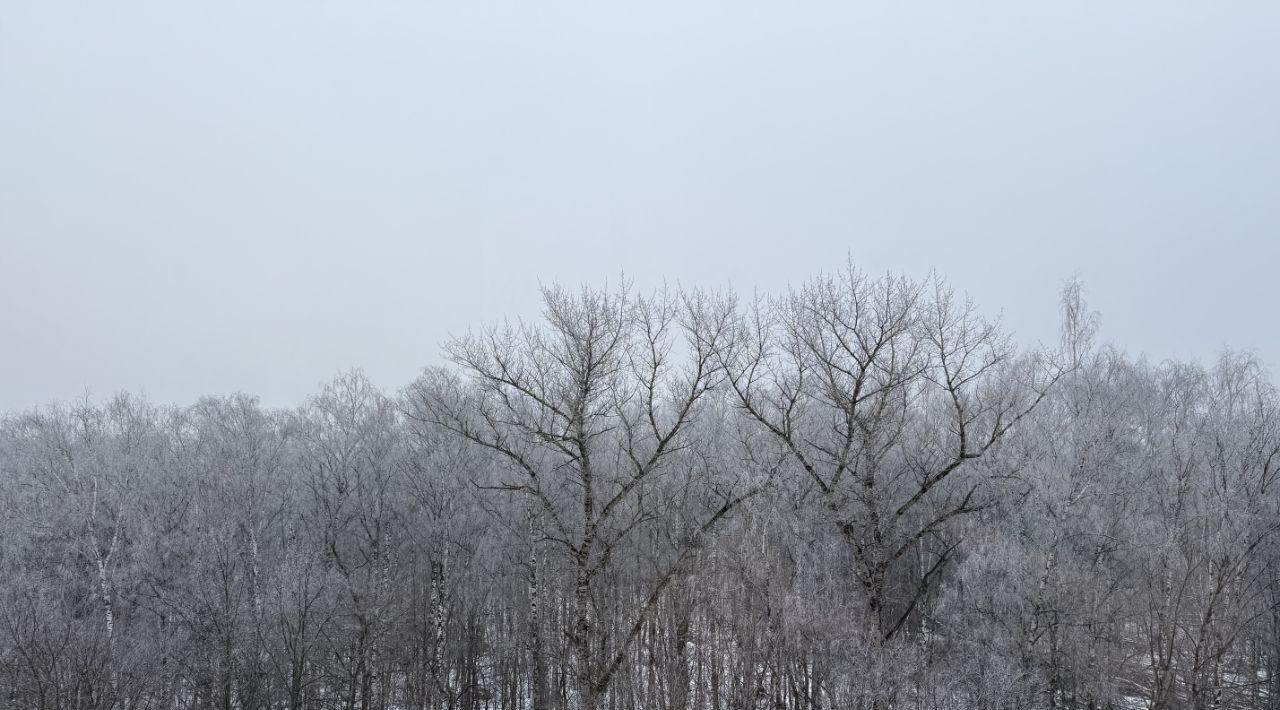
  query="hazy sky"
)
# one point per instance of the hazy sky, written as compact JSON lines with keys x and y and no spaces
{"x":204,"y":197}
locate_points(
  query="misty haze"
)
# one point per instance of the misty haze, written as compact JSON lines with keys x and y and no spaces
{"x":679,"y":356}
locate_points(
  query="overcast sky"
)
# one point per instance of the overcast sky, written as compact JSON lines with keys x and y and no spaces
{"x":205,"y":197}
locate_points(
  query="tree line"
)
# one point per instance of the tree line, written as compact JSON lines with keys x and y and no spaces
{"x":860,"y":493}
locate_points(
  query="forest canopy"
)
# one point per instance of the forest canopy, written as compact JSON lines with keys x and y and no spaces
{"x":859,"y":493}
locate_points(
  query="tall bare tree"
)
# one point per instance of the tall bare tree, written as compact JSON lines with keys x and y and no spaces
{"x":885,"y":391}
{"x":590,"y":409}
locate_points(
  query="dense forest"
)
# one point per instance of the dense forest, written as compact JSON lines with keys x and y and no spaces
{"x":858,"y":494}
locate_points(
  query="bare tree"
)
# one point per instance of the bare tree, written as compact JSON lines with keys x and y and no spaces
{"x":885,"y":391}
{"x":590,"y":410}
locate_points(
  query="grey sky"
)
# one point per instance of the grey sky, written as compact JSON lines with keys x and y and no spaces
{"x":203,"y":197}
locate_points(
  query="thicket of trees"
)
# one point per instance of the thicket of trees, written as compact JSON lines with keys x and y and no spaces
{"x":858,"y":494}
